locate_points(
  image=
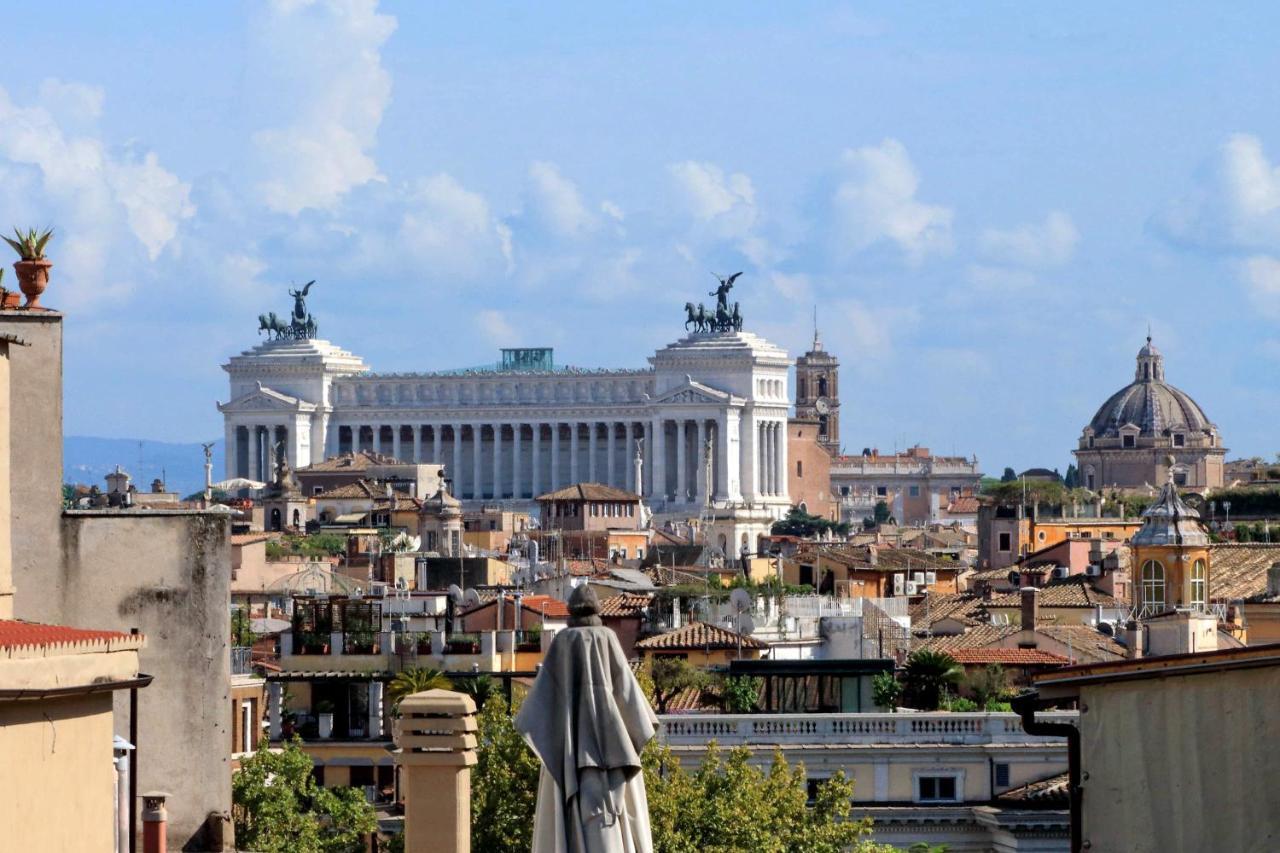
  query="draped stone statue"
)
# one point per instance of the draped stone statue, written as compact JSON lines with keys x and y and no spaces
{"x":587,"y":719}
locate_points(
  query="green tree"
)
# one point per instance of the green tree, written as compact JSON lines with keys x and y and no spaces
{"x":881,"y":512}
{"x":800,"y":523}
{"x":241,"y":628}
{"x":670,"y":676}
{"x":740,"y":694}
{"x":1008,"y":476}
{"x":929,"y":675}
{"x":729,"y":805}
{"x":886,"y":690}
{"x":1072,"y":480}
{"x":277,"y":806}
{"x":504,"y":783}
{"x":989,"y":685}
{"x":479,"y":687}
{"x":415,"y":680}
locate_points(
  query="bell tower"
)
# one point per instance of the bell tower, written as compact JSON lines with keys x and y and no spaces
{"x":818,"y":391}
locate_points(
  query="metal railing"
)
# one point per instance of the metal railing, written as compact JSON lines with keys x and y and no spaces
{"x":852,"y":729}
{"x":241,"y":660}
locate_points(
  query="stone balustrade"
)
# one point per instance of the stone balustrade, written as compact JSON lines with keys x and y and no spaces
{"x":731,"y":730}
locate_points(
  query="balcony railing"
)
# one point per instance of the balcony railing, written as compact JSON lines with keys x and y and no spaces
{"x":241,"y":660}
{"x":852,"y":729}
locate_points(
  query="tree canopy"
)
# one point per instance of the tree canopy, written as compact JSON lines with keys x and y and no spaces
{"x":671,"y":675}
{"x":929,"y":675}
{"x":278,"y":807}
{"x":800,"y":523}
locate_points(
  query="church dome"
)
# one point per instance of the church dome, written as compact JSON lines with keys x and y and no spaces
{"x":1149,"y":403}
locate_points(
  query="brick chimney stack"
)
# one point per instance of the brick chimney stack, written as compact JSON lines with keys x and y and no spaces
{"x":1273,"y":580}
{"x":6,"y":522}
{"x":1030,"y":608}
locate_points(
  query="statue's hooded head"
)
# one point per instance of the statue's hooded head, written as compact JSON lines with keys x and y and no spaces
{"x":584,"y":608}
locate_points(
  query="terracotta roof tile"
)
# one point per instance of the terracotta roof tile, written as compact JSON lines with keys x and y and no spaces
{"x":1240,"y":571}
{"x":543,"y":605}
{"x":15,"y":633}
{"x":589,"y":492}
{"x":964,"y":505}
{"x":1073,"y":591}
{"x":974,"y":638}
{"x":965,"y":607}
{"x":625,"y":604}
{"x":1011,"y":657}
{"x":361,"y":461}
{"x":885,"y":558}
{"x":1054,"y":790}
{"x":699,"y":635}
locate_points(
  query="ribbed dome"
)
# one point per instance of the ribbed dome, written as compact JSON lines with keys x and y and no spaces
{"x":1149,"y":403}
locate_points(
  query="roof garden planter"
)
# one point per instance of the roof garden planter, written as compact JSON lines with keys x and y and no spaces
{"x":9,"y":299}
{"x":33,"y":268}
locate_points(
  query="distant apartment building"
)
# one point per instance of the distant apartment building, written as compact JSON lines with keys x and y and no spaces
{"x":1007,"y":534}
{"x":917,"y":485}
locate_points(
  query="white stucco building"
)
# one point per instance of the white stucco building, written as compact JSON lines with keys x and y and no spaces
{"x":708,"y":418}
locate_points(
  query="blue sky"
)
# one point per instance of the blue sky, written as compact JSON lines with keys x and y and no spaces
{"x":987,"y":205}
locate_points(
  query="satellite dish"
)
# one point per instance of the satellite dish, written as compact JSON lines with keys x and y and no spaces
{"x":455,"y":593}
{"x":1107,"y":628}
{"x":746,"y":625}
{"x":470,"y":598}
{"x":1014,"y":578}
{"x":740,"y":599}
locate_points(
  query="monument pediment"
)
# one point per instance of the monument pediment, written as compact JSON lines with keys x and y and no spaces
{"x":265,"y":399}
{"x":695,"y":393}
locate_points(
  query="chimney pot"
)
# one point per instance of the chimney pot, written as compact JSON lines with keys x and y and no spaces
{"x":1030,"y":608}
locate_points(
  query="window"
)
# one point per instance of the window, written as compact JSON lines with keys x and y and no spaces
{"x":315,"y":490}
{"x":1198,"y":584}
{"x":882,"y":491}
{"x":1040,"y":535}
{"x":1002,"y":775}
{"x":1152,"y":587}
{"x":936,"y":789}
{"x":914,"y":491}
{"x":1179,"y":440}
{"x":1091,"y":442}
{"x":1179,"y":478}
{"x":799,"y":468}
{"x":1129,"y":440}
{"x":1006,"y":542}
{"x":844,"y":491}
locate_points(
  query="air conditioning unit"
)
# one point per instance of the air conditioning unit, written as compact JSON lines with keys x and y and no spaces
{"x":1060,"y":572}
{"x":898,"y":581}
{"x":1093,"y":570}
{"x":931,"y":578}
{"x":912,"y":587}
{"x":918,"y":577}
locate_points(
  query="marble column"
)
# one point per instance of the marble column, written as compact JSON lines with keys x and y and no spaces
{"x":535,"y":459}
{"x":573,"y":453}
{"x":722,"y":457}
{"x":436,"y":429}
{"x":397,"y":448}
{"x":255,"y":453}
{"x":700,"y":477}
{"x":477,"y":442}
{"x":456,"y":473}
{"x":417,"y":443}
{"x":682,"y":462}
{"x":592,"y":429}
{"x":628,"y":456}
{"x":773,"y":458}
{"x":659,"y":464}
{"x":231,"y":443}
{"x":646,"y":487}
{"x":553,"y":481}
{"x":516,"y":491}
{"x":782,"y":458}
{"x":377,"y":438}
{"x":611,"y":451}
{"x":498,"y":489}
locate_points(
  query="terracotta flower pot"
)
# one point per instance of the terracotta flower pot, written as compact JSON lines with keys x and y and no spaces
{"x":10,"y":299}
{"x":33,"y":278}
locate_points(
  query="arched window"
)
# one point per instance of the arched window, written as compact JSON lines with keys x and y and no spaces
{"x":1199,"y":584}
{"x":822,"y":386}
{"x":1152,"y":587}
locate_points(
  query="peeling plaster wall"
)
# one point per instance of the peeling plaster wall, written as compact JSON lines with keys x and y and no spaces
{"x":167,"y":573}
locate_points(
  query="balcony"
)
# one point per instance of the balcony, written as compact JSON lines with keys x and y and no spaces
{"x":730,"y":730}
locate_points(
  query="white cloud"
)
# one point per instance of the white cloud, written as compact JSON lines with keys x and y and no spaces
{"x":319,"y":74}
{"x":612,"y":211}
{"x":1235,"y":205}
{"x":98,"y":201}
{"x":71,"y":101}
{"x":711,"y":193}
{"x":876,"y":201}
{"x":1047,"y":244}
{"x":794,"y":287}
{"x":495,"y":326}
{"x":451,"y":229}
{"x":1261,"y":276}
{"x":556,"y":202}
{"x":873,"y":327}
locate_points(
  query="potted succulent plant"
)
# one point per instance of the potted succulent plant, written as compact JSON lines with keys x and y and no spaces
{"x":33,"y":268}
{"x":8,"y":298}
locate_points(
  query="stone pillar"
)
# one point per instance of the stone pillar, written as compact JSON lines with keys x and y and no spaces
{"x":231,"y":442}
{"x":611,"y":451}
{"x":682,"y":462}
{"x":436,"y":430}
{"x":435,"y":749}
{"x":456,"y":473}
{"x":636,"y":470}
{"x":377,"y":438}
{"x":275,"y":709}
{"x":658,"y":467}
{"x":397,"y":449}
{"x":497,"y":462}
{"x":553,"y":482}
{"x":515,"y":461}
{"x":772,"y":433}
{"x":255,"y":453}
{"x":629,"y":455}
{"x":592,"y":429}
{"x":782,"y":458}
{"x":417,"y":445}
{"x":750,"y":434}
{"x":573,"y":454}
{"x":375,"y":710}
{"x":700,"y":476}
{"x":646,"y":486}
{"x":477,"y":442}
{"x":535,"y":459}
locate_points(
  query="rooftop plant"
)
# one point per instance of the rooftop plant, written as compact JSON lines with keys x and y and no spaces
{"x":30,"y":245}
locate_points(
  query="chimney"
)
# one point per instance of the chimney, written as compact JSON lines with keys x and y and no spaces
{"x":1273,"y":580}
{"x":1133,"y":639}
{"x":6,"y":524}
{"x":873,"y":554}
{"x":1030,"y":608}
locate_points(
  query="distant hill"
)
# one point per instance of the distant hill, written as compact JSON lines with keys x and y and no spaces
{"x":87,"y":460}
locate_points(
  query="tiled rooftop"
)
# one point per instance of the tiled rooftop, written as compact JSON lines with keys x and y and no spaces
{"x":625,"y":604}
{"x":699,"y":636}
{"x":1240,"y":571}
{"x":1009,"y":657}
{"x":589,"y":492}
{"x":15,"y":633}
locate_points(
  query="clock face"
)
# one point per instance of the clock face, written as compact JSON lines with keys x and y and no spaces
{"x":822,"y":406}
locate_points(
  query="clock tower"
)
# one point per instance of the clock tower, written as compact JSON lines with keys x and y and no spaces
{"x":818,"y":392}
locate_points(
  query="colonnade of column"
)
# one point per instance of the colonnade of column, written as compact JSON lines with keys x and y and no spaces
{"x":253,"y":448}
{"x":508,"y":460}
{"x":771,"y":439}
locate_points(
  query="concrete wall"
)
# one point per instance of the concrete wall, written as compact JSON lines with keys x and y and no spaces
{"x":57,"y":788}
{"x":35,"y":407}
{"x":166,"y":572}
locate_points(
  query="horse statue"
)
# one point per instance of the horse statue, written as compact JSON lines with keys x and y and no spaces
{"x":736,"y":318}
{"x":271,"y":324}
{"x":722,"y":321}
{"x":697,"y":317}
